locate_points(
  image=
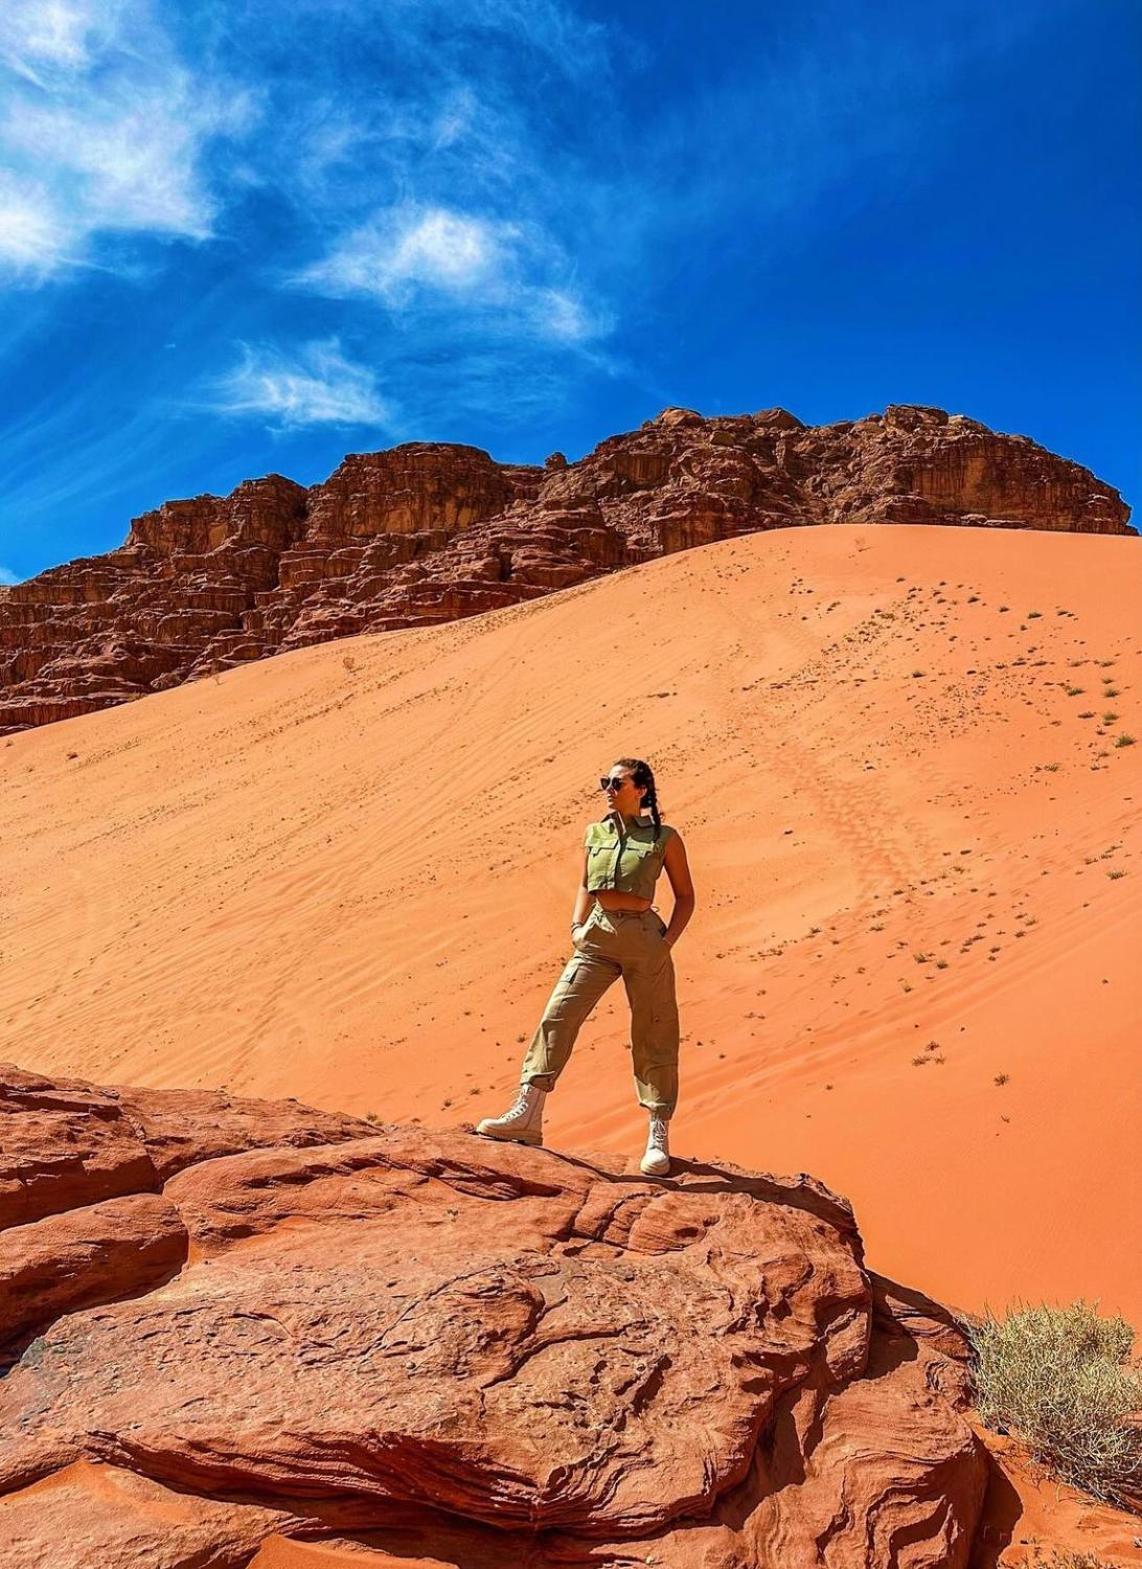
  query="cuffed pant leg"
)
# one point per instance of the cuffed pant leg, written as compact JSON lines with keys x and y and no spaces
{"x":584,"y":980}
{"x":654,"y":1033}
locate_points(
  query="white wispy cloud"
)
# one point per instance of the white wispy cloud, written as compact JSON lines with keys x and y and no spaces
{"x":399,"y":251}
{"x":8,"y":577}
{"x":502,"y":269}
{"x":33,"y":236}
{"x":39,"y":38}
{"x":313,"y":384}
{"x":102,"y":133}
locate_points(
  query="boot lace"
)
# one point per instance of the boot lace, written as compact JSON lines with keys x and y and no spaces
{"x":657,"y":1137}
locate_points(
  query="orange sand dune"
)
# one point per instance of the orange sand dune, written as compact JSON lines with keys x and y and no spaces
{"x":347,"y":873}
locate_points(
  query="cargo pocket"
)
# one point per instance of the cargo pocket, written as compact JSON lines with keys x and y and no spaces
{"x":561,"y":993}
{"x":570,"y":971}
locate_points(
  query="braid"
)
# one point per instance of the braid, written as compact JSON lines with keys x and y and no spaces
{"x":643,"y":777}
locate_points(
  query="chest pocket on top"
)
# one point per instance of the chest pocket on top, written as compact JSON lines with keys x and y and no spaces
{"x":600,"y":863}
{"x":638,"y":868}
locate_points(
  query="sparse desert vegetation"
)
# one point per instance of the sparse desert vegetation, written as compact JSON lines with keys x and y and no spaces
{"x":1065,"y":1559}
{"x":1061,"y":1379}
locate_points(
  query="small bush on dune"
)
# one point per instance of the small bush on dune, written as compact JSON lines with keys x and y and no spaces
{"x":1065,"y":1559}
{"x":1069,"y":1560}
{"x":1061,"y":1378}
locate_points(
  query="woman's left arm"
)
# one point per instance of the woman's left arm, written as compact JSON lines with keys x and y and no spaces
{"x":678,"y":871}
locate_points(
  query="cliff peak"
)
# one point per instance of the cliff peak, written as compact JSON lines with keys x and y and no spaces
{"x":426,"y":532}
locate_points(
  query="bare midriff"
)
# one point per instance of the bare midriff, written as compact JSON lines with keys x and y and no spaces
{"x":614,"y":899}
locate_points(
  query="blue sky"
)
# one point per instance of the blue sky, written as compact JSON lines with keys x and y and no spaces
{"x":238,"y":238}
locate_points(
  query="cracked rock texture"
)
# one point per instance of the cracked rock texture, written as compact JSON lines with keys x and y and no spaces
{"x":228,"y":1322}
{"x":430,"y":532}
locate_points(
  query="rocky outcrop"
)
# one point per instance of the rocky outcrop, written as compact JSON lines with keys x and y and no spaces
{"x":226,"y":1320}
{"x":432,"y":532}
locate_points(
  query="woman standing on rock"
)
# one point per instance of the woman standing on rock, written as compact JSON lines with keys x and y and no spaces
{"x":622,"y":935}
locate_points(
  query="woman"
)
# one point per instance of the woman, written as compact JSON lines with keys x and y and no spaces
{"x":622,"y":935}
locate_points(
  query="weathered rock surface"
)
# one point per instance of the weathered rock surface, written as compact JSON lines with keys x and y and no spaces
{"x":432,"y":532}
{"x":82,"y":1216}
{"x":425,"y":1344}
{"x":87,"y":1255}
{"x":66,"y":1143}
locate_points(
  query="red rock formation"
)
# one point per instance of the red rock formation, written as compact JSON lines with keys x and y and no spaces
{"x":82,"y":1217}
{"x":426,"y":533}
{"x":87,"y":1255}
{"x":429,"y":1343}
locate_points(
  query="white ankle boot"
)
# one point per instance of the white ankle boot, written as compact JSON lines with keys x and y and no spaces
{"x":523,"y":1123}
{"x":656,"y":1161}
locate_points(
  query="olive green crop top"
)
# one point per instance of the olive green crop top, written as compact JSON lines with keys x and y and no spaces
{"x":629,"y":862}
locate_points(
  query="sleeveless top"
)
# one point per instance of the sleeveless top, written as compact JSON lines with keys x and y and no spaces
{"x":625,"y":856}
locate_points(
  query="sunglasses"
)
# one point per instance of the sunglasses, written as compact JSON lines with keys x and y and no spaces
{"x":613,"y":784}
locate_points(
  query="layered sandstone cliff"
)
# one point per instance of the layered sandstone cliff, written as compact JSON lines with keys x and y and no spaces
{"x":432,"y":532}
{"x":229,"y":1320}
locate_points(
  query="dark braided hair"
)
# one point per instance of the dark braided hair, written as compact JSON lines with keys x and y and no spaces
{"x":643,"y":778}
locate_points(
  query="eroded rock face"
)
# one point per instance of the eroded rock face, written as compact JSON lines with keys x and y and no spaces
{"x":82,"y":1215}
{"x":432,"y":1345}
{"x":432,"y":532}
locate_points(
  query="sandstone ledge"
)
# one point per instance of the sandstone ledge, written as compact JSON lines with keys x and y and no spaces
{"x":239,"y":1320}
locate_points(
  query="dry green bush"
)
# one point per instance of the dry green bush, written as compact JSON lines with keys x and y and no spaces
{"x":1063,"y":1558}
{"x":1061,"y":1378}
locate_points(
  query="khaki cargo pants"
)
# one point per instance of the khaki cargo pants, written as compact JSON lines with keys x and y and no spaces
{"x":608,"y":944}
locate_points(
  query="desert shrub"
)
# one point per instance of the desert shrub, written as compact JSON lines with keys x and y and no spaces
{"x":1061,"y":1378}
{"x":1063,"y":1558}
